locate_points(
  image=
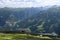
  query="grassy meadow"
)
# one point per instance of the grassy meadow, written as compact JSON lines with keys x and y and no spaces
{"x":24,"y":37}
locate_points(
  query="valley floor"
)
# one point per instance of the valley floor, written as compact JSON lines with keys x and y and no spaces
{"x":24,"y":37}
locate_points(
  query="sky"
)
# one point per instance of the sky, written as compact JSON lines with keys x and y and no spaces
{"x":28,"y":3}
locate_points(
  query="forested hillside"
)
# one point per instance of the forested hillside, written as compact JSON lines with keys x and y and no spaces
{"x":36,"y":19}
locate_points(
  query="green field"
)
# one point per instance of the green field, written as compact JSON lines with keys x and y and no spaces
{"x":24,"y":37}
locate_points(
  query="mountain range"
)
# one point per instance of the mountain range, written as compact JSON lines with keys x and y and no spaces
{"x":39,"y":19}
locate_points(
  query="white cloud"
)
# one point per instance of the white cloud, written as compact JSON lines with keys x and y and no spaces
{"x":28,"y":3}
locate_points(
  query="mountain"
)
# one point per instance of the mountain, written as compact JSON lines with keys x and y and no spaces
{"x":9,"y":17}
{"x":47,"y":21}
{"x":42,"y":19}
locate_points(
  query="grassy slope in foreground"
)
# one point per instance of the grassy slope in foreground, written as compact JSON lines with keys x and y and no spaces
{"x":24,"y":37}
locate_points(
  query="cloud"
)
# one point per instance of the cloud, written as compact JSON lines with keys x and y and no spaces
{"x":14,"y":3}
{"x":28,"y":3}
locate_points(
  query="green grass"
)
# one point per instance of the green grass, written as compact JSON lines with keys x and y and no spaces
{"x":24,"y":37}
{"x":40,"y":27}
